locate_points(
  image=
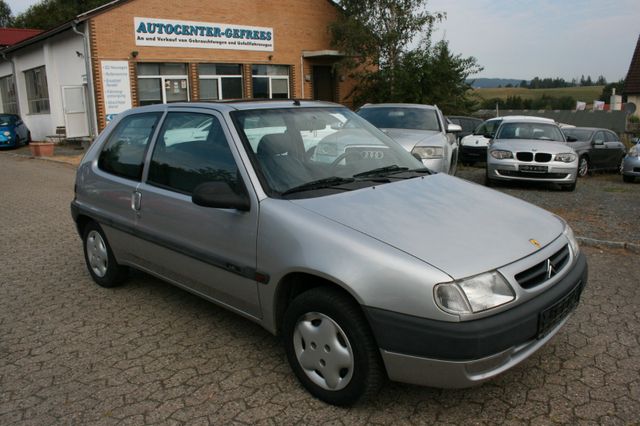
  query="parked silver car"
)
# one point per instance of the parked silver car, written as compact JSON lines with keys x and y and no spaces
{"x":421,"y":130}
{"x":355,"y":262}
{"x":631,"y":164}
{"x":531,"y":149}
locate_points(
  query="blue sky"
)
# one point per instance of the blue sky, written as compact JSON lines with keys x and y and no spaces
{"x":522,"y":39}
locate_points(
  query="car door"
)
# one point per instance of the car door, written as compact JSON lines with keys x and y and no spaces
{"x":615,"y":150}
{"x":209,"y":251}
{"x":598,"y":150}
{"x":111,"y":187}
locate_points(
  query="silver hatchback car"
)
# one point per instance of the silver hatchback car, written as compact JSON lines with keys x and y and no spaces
{"x":531,"y":149}
{"x":354,"y":260}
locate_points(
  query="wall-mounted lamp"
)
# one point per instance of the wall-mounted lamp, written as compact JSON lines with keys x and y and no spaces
{"x":307,"y":77}
{"x":270,"y":57}
{"x":79,"y":54}
{"x":134,"y":53}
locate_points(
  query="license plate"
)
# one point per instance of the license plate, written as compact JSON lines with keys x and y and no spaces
{"x":551,"y":316}
{"x":535,"y":169}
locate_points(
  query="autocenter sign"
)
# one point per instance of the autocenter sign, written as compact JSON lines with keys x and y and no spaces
{"x":170,"y":33}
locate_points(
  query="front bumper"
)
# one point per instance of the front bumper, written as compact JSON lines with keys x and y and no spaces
{"x":631,"y":166}
{"x":7,"y":142}
{"x":462,"y":354}
{"x":511,"y":170}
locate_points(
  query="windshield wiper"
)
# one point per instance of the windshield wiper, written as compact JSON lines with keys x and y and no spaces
{"x":319,"y":184}
{"x":381,"y":171}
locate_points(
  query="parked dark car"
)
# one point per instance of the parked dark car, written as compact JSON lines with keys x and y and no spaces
{"x":13,"y":131}
{"x":597,"y":149}
{"x":468,"y":124}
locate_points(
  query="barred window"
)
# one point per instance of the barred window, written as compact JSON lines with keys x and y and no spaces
{"x":8,"y":94}
{"x":37,"y":90}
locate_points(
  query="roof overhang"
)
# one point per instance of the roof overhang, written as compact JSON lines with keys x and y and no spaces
{"x":322,"y":54}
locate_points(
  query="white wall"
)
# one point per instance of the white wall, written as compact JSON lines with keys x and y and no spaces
{"x":64,"y":67}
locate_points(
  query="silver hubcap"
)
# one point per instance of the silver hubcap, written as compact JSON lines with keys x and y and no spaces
{"x":323,"y":351}
{"x":584,"y":167}
{"x":97,"y":254}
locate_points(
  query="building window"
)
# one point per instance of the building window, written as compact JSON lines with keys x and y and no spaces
{"x":270,"y":81}
{"x":162,"y":83}
{"x":37,"y":90}
{"x":220,"y":81}
{"x":8,"y":94}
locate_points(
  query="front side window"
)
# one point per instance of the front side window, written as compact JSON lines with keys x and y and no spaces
{"x":220,"y":81}
{"x":579,"y":134}
{"x":123,"y":154}
{"x":270,"y":81}
{"x":37,"y":90}
{"x":8,"y":94}
{"x":192,"y":149}
{"x":401,"y":118}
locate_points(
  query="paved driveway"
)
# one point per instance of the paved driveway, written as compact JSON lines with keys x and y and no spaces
{"x":74,"y":353}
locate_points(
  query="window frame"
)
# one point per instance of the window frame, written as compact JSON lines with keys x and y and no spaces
{"x":8,"y":93}
{"x":219,"y":78}
{"x":270,"y":78}
{"x":36,"y":92}
{"x":163,"y":78}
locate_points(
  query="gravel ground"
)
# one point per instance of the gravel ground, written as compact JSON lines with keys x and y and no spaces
{"x":602,"y":207}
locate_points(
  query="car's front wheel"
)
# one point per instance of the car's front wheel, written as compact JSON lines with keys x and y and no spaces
{"x":99,"y":258}
{"x":330,"y":347}
{"x":583,"y":166}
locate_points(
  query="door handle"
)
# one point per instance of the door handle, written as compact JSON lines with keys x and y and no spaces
{"x":136,"y":201}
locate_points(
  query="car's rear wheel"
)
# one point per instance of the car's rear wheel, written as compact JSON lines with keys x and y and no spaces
{"x":330,"y":347}
{"x":99,"y":258}
{"x":583,"y":166}
{"x":628,"y":178}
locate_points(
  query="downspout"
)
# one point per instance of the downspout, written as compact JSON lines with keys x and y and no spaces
{"x":15,"y":80}
{"x":90,"y":93}
{"x":302,"y":74}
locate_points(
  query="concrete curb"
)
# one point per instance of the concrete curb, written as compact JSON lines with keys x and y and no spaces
{"x":70,"y":161}
{"x":592,"y":242}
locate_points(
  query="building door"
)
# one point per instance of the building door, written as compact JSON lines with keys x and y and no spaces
{"x":323,"y":83}
{"x":176,"y":89}
{"x":75,"y":111}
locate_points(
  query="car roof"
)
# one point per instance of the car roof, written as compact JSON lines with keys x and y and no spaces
{"x":398,"y":105}
{"x":591,"y":129}
{"x":239,"y":105}
{"x":527,"y":119}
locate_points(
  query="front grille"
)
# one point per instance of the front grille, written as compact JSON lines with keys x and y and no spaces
{"x":544,"y":270}
{"x":543,"y":157}
{"x":636,"y":169}
{"x":524,"y":156}
{"x":535,"y":175}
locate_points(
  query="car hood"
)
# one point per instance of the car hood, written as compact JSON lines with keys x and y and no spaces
{"x":459,"y":227}
{"x":552,"y":147}
{"x":409,"y":138}
{"x":7,"y":129}
{"x":474,"y":140}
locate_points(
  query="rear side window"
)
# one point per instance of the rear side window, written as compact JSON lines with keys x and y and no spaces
{"x":610,"y":137}
{"x":123,"y":154}
{"x":192,"y":149}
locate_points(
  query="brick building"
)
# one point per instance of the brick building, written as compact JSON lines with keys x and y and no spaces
{"x":137,"y":52}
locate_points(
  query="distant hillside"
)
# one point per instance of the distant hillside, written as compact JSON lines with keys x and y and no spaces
{"x":586,"y":94}
{"x":478,"y":83}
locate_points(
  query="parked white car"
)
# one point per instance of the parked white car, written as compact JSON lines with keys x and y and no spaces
{"x":531,"y":149}
{"x":421,"y":130}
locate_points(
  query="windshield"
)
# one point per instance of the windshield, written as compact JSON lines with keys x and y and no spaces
{"x":6,"y":120}
{"x":401,"y":118}
{"x":488,"y":127}
{"x":299,"y":146}
{"x":540,"y":131}
{"x":579,"y":134}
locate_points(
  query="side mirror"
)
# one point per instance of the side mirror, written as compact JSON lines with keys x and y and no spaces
{"x":219,"y":195}
{"x":453,"y":128}
{"x":571,"y":139}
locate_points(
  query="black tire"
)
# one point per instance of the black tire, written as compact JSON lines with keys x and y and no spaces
{"x":330,"y":310}
{"x":99,"y":258}
{"x":28,"y":138}
{"x":628,"y":178}
{"x":488,"y":182}
{"x":583,"y":166}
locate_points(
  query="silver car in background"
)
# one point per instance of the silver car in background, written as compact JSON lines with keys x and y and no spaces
{"x":353,"y":257}
{"x":421,"y":130}
{"x":531,"y":149}
{"x":631,"y":163}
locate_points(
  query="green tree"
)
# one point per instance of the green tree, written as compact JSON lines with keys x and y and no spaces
{"x":607,"y":91}
{"x":5,"y":14}
{"x":47,"y":14}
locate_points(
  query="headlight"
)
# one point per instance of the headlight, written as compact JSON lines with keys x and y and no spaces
{"x":474,"y":294}
{"x":7,"y":133}
{"x":500,"y":154}
{"x":568,"y":232}
{"x":566,"y":157}
{"x":634,"y":151}
{"x":428,"y":152}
